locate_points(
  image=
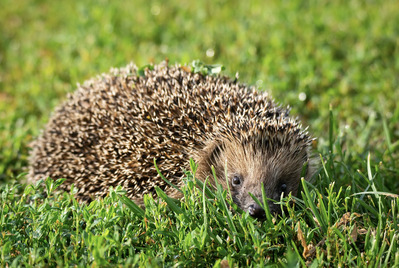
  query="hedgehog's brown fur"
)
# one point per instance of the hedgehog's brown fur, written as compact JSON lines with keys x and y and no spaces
{"x":111,"y":129}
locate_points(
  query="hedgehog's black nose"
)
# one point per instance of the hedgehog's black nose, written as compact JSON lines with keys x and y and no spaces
{"x":256,"y":211}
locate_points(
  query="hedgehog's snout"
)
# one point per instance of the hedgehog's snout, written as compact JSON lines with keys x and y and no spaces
{"x":256,"y":211}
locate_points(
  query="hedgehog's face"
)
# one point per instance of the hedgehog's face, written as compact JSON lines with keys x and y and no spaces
{"x":249,"y":166}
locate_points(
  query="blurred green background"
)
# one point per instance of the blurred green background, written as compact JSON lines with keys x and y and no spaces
{"x":308,"y":54}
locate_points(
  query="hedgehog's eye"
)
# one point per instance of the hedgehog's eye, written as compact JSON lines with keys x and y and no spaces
{"x":236,"y":180}
{"x":283,"y":188}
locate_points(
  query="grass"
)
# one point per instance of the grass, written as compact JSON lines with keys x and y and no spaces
{"x":335,"y":63}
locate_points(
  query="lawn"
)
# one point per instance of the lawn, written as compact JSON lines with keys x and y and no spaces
{"x":336,"y":63}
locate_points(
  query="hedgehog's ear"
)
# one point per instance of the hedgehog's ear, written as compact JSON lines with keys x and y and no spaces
{"x":214,"y":152}
{"x":209,"y":156}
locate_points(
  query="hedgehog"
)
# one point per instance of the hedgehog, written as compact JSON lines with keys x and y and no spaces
{"x":112,"y":128}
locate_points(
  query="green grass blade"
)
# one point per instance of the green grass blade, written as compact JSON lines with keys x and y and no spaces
{"x":226,"y":210}
{"x":132,"y":206}
{"x":171,"y":203}
{"x":310,"y":202}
